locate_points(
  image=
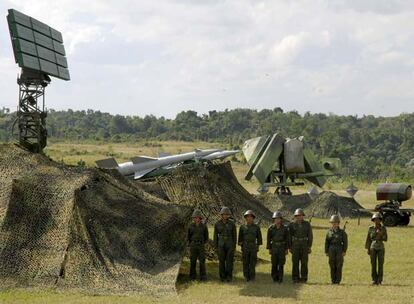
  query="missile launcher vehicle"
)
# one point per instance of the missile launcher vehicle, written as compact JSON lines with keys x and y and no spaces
{"x":282,"y":162}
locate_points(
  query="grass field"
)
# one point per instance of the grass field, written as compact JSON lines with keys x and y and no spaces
{"x":398,"y":285}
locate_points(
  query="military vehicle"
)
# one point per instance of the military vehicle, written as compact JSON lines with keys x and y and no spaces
{"x":394,"y":194}
{"x":282,"y":162}
{"x":144,"y":166}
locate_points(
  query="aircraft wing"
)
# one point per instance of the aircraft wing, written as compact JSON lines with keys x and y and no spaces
{"x":142,"y":173}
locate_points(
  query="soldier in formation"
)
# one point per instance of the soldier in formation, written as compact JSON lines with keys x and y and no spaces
{"x":336,"y":244}
{"x":250,"y":238}
{"x":300,"y":242}
{"x":225,"y":238}
{"x":278,"y":245}
{"x":377,"y":235}
{"x":197,"y":238}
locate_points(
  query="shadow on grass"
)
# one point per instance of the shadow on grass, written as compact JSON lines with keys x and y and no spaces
{"x":264,"y":286}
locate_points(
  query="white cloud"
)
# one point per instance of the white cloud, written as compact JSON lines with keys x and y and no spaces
{"x":160,"y":57}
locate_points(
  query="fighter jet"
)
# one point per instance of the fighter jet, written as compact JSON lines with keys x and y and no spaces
{"x":145,"y":166}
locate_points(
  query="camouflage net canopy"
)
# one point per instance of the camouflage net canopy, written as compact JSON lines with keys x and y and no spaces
{"x":69,"y":227}
{"x":323,"y":206}
{"x":208,"y":189}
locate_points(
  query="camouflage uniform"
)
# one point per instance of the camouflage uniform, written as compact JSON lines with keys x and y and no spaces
{"x":375,"y":244}
{"x":225,"y":238}
{"x":197,"y":238}
{"x":336,"y":244}
{"x":278,"y":243}
{"x":250,"y":238}
{"x":300,"y":242}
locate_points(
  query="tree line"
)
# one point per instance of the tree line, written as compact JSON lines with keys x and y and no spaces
{"x":370,"y":147}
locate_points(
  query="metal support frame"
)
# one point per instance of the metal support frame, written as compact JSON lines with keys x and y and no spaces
{"x":31,"y":114}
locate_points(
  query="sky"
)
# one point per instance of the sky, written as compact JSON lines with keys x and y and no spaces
{"x":161,"y":57}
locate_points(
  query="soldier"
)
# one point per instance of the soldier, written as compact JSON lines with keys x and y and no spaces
{"x":300,"y":244}
{"x":250,"y":238}
{"x":225,"y":238}
{"x":278,"y":245}
{"x":377,"y":235}
{"x":197,"y":238}
{"x":336,"y":244}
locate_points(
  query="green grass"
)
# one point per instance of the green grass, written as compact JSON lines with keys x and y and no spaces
{"x":398,"y":284}
{"x":399,"y":259}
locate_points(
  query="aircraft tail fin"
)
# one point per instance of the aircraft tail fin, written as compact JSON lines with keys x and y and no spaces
{"x":109,"y":163}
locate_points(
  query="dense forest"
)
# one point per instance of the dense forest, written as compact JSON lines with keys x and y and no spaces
{"x":369,"y":147}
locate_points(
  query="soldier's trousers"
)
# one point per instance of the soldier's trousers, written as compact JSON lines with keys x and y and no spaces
{"x":377,"y":264}
{"x":249,"y":263}
{"x":336,"y":262}
{"x":300,"y":255}
{"x":226,"y":257}
{"x":278,"y":262}
{"x":197,"y":252}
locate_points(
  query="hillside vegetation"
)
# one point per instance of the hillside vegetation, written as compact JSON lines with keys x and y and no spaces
{"x":371,"y":148}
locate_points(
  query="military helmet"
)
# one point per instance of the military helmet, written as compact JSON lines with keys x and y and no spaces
{"x":299,"y":211}
{"x":277,"y":214}
{"x":249,"y":212}
{"x":225,"y":210}
{"x":335,"y":219}
{"x":376,"y":215}
{"x":197,"y":213}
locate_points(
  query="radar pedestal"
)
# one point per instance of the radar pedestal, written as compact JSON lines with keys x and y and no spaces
{"x":31,"y":114}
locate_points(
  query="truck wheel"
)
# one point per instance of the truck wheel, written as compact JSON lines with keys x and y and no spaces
{"x":390,"y":220}
{"x":405,"y":220}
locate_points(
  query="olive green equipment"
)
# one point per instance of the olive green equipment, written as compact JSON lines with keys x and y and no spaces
{"x":225,"y":239}
{"x":336,"y":244}
{"x":299,"y":211}
{"x":301,"y":239}
{"x":375,"y":216}
{"x":250,"y":238}
{"x":277,"y":214}
{"x":335,"y":219}
{"x":374,"y":244}
{"x":282,"y":162}
{"x":249,"y":212}
{"x":391,"y":212}
{"x":39,"y":51}
{"x":197,"y":213}
{"x":197,"y":238}
{"x":225,"y":210}
{"x":278,"y":245}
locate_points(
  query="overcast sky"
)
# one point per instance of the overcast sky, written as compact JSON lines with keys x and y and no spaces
{"x":161,"y":57}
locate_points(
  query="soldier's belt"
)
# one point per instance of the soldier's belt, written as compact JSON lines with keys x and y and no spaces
{"x":300,"y":239}
{"x":197,"y":242}
{"x":279,"y":243}
{"x":249,"y":242}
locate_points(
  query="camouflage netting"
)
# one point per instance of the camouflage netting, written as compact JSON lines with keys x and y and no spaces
{"x":211,"y":188}
{"x":69,"y":227}
{"x":328,"y":203}
{"x":323,"y":206}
